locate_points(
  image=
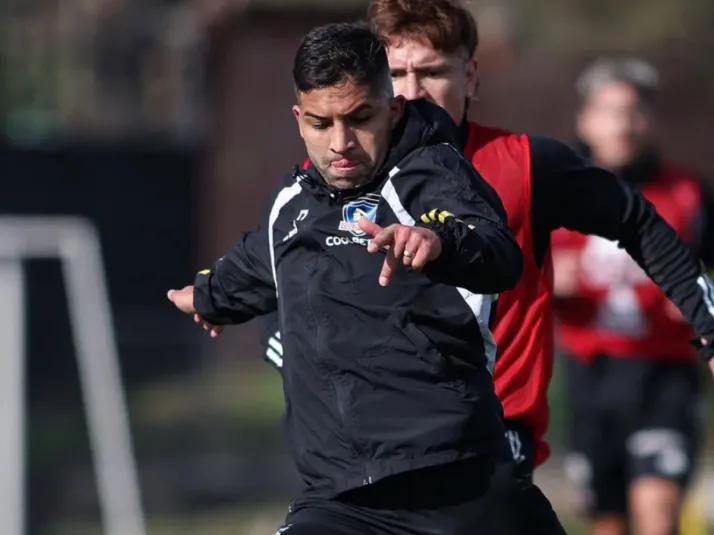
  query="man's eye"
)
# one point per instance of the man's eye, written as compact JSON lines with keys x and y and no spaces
{"x":360,"y":120}
{"x":397,"y":74}
{"x":319,"y":126}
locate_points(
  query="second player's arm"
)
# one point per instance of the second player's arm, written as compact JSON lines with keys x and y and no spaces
{"x":570,"y":193}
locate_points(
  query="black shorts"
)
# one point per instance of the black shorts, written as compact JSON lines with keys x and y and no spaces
{"x":631,"y":418}
{"x":473,"y":497}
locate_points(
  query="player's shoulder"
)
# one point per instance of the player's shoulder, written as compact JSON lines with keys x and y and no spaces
{"x":442,"y":171}
{"x":549,"y":153}
{"x":288,"y":179}
{"x":284,"y":190}
{"x":542,"y":143}
{"x":490,"y":132}
{"x":491,"y":142}
{"x":441,"y":159}
{"x":286,"y":183}
{"x":485,"y":133}
{"x":484,"y":136}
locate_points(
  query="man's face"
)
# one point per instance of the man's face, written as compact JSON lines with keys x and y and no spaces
{"x":419,"y":71}
{"x":347,"y":129}
{"x":616,"y":124}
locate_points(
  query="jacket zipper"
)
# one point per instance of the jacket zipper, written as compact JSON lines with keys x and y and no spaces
{"x":337,"y":388}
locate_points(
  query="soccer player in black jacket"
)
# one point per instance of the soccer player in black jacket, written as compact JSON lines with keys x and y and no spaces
{"x":432,"y":54}
{"x":391,"y":414}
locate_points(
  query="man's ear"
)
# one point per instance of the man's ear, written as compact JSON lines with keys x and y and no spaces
{"x":397,"y":109}
{"x":297,"y":112}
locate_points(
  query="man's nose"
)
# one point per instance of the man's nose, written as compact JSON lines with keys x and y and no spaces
{"x":342,"y":138}
{"x":413,"y":88}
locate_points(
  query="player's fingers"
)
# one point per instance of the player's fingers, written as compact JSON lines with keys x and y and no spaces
{"x":216,"y":331}
{"x":411,"y":248}
{"x":383,"y":238}
{"x":369,"y":227}
{"x":421,"y":257}
{"x":388,"y":268}
{"x":206,"y":326}
{"x":176,"y":297}
{"x":401,"y":236}
{"x":182,"y":299}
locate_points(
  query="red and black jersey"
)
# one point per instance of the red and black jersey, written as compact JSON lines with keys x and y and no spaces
{"x":544,"y":186}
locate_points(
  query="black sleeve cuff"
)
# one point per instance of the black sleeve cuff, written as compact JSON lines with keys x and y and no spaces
{"x":203,"y":300}
{"x":445,"y":233}
{"x":460,"y":247}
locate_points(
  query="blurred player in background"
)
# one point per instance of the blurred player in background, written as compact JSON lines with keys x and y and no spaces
{"x":544,"y":185}
{"x":632,"y":374}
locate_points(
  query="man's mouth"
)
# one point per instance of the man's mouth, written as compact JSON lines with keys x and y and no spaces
{"x":344,"y":163}
{"x":345,"y":167}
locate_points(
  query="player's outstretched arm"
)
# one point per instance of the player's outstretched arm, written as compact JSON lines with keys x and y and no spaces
{"x":239,"y":286}
{"x":236,"y":289}
{"x":574,"y":194}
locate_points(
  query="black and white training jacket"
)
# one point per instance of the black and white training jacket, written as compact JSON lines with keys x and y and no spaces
{"x":378,"y":380}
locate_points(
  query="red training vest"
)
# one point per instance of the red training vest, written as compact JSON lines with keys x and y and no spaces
{"x":524,"y":315}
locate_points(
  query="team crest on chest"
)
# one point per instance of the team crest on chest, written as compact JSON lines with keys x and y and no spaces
{"x":353,"y":211}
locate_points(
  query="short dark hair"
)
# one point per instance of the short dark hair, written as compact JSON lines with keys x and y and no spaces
{"x":335,"y":53}
{"x":446,"y":25}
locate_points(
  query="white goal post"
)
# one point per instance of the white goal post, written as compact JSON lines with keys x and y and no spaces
{"x":74,"y":241}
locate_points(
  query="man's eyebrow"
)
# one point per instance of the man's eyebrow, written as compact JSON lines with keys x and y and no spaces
{"x":315,"y":116}
{"x":362,"y":107}
{"x":436,"y":64}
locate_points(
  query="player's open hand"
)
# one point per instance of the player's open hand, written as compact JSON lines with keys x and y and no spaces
{"x":411,"y":246}
{"x":183,"y":299}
